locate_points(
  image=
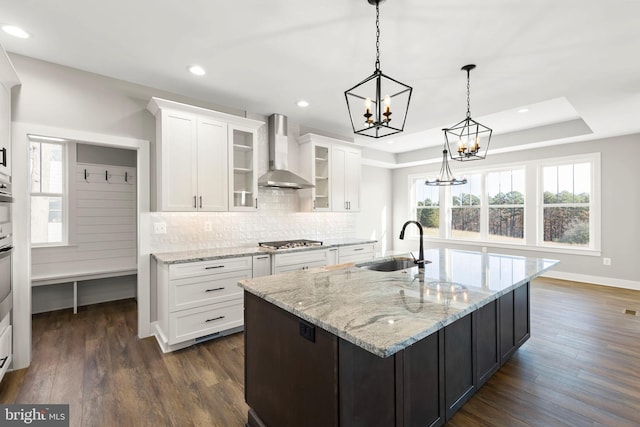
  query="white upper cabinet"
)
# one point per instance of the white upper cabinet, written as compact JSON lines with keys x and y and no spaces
{"x":212,"y":165}
{"x":334,"y":168}
{"x":315,"y":158}
{"x":202,"y":158}
{"x":8,"y":79}
{"x":243,"y":158}
{"x":346,"y":173}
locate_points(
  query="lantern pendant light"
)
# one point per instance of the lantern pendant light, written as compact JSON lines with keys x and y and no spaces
{"x":468,"y":139}
{"x":445,"y":177}
{"x":373,"y":101}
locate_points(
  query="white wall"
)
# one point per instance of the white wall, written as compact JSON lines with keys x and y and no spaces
{"x":620,"y":207}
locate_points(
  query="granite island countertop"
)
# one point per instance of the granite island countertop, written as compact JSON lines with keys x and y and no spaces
{"x":385,"y":312}
{"x":208,"y":254}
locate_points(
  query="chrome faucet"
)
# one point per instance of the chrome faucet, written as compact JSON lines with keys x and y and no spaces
{"x":420,"y":260}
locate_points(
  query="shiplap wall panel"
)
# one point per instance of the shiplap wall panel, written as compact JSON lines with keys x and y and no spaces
{"x":104,"y":225}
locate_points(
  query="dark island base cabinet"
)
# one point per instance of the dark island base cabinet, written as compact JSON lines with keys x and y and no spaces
{"x":297,"y":374}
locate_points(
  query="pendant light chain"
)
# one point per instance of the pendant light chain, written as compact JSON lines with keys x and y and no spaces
{"x":468,"y":95}
{"x":377,"y":35}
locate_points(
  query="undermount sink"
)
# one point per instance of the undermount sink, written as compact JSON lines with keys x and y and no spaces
{"x":390,"y":265}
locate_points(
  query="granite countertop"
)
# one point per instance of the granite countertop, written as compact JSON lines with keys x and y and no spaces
{"x":385,"y":312}
{"x":179,"y":257}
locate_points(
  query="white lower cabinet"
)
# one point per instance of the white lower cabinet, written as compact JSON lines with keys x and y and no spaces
{"x":202,"y":321}
{"x":303,"y":260}
{"x":356,"y":253}
{"x":261,"y":265}
{"x":200,"y":300}
{"x":5,"y":345}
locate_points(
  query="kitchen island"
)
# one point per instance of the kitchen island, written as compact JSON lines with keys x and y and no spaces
{"x":354,"y":347}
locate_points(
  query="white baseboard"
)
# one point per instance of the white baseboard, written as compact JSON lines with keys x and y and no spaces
{"x":595,"y":280}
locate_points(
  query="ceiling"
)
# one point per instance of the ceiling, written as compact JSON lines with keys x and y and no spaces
{"x":563,"y":60}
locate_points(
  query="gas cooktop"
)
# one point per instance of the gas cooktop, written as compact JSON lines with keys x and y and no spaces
{"x":288,"y":244}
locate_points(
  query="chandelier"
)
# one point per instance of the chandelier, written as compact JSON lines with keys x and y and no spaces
{"x":373,"y":101}
{"x":445,"y":177}
{"x":468,"y":139}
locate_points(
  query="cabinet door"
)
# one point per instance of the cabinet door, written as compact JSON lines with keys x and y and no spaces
{"x":178,"y":147}
{"x":5,"y":130}
{"x":243,"y":159}
{"x":352,"y":180}
{"x":261,"y":265}
{"x":458,"y":364}
{"x":345,"y":173}
{"x":212,"y":166}
{"x":521,"y":315}
{"x":320,"y":168}
{"x":338,"y":189}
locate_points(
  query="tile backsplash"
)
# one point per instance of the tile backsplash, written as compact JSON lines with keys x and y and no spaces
{"x":277,"y":218}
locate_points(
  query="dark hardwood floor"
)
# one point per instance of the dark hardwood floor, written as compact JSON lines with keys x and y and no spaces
{"x":581,"y":367}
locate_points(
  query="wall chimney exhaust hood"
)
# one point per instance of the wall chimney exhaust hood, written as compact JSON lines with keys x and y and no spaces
{"x":279,"y":176}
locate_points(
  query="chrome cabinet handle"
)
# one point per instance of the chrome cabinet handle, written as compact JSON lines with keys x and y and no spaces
{"x":214,"y":289}
{"x":358,"y":249}
{"x":214,"y":266}
{"x":195,"y":202}
{"x":200,"y":202}
{"x":214,"y":319}
{"x":262,"y":257}
{"x":256,"y":203}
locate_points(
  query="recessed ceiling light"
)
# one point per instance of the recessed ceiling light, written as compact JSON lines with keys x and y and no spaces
{"x":523,"y":110}
{"x":15,"y":31}
{"x":197,"y":70}
{"x":390,"y":141}
{"x":302,"y":103}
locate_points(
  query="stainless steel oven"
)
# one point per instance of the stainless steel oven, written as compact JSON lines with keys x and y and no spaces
{"x":6,"y":246}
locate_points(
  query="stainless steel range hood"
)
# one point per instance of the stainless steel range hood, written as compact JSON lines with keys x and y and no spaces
{"x":279,"y":175}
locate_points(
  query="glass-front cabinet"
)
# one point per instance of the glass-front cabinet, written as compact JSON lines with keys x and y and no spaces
{"x":321,"y":177}
{"x":243,"y":155}
{"x":334,"y":167}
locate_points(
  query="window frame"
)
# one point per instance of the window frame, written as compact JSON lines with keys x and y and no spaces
{"x":533,"y":207}
{"x":594,"y":201}
{"x":67,"y":148}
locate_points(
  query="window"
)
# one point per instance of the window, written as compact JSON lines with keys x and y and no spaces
{"x":505,"y":191}
{"x":566,"y":204}
{"x":428,"y":208}
{"x":537,"y":205}
{"x":465,"y":208}
{"x":47,"y":193}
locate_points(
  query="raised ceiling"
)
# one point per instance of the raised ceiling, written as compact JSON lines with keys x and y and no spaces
{"x":564,"y":60}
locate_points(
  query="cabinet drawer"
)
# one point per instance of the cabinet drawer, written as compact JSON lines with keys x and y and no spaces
{"x":217,"y":266}
{"x":202,"y":290}
{"x":302,"y":266}
{"x":355,"y":250}
{"x":5,"y":350}
{"x":305,"y":257}
{"x":198,"y":322}
{"x":355,"y":253}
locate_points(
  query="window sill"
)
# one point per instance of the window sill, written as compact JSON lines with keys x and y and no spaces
{"x":516,"y":246}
